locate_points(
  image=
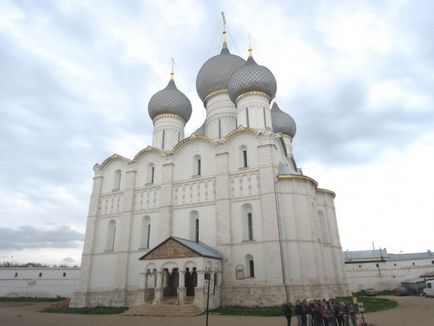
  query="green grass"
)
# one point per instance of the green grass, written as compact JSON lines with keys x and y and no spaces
{"x":86,"y":311}
{"x":249,"y":311}
{"x":30,"y":299}
{"x":372,"y":304}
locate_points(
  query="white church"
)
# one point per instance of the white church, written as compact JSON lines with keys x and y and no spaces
{"x":227,"y":204}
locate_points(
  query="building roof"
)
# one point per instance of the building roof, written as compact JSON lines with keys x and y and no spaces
{"x":170,"y":101}
{"x":365,"y":255}
{"x":216,"y":72}
{"x":382,"y":254}
{"x":282,"y":121}
{"x":252,"y":77}
{"x":199,"y":248}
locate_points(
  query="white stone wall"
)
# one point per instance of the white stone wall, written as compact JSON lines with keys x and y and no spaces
{"x":388,"y":275}
{"x":220,"y":107}
{"x":173,"y":129}
{"x":38,"y":282}
{"x":259,"y":114}
{"x":313,"y":265}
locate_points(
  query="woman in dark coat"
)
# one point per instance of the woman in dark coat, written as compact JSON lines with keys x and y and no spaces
{"x":287,"y":311}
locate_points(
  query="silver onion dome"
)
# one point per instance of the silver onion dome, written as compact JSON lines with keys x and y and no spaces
{"x":170,"y":101}
{"x":215,"y":73}
{"x":201,"y":130}
{"x":282,"y":122}
{"x":252,"y":77}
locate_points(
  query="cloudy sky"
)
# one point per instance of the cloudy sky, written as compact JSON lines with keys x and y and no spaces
{"x":76,"y":78}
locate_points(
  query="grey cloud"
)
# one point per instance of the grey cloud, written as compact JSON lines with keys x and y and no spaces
{"x":339,"y":128}
{"x":28,"y":237}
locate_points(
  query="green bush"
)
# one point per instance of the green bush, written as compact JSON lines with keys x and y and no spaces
{"x":87,"y":311}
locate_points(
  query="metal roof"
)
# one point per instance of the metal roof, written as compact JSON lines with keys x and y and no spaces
{"x":382,"y":254}
{"x":200,"y":248}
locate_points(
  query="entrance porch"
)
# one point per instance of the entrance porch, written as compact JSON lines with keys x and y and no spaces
{"x":176,"y":271}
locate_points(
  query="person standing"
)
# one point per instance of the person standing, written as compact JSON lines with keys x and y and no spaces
{"x":353,"y":315}
{"x":299,"y":313}
{"x":287,"y":311}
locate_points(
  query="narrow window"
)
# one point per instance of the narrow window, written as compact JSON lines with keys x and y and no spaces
{"x":148,"y":236}
{"x":152,"y":174}
{"x":252,"y":268}
{"x":117,"y":180}
{"x":265,"y":117}
{"x":16,"y":274}
{"x":376,"y":265}
{"x":111,"y":230}
{"x":164,"y":136}
{"x":245,"y":158}
{"x":360,"y":266}
{"x":40,"y":274}
{"x":198,"y":166}
{"x":220,"y":129}
{"x":250,"y":225}
{"x":146,"y":232}
{"x":247,"y":117}
{"x":64,"y":274}
{"x":196,"y":230}
{"x":432,"y":262}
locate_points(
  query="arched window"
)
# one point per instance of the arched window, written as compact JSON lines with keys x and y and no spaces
{"x":194,"y":226}
{"x":243,"y":156}
{"x":250,"y":264}
{"x":151,"y":173}
{"x":163,"y":139}
{"x":197,"y":165}
{"x":146,"y":232}
{"x":247,"y":216}
{"x":117,"y":180}
{"x":111,"y":231}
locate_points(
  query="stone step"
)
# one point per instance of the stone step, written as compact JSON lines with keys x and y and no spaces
{"x":164,"y":310}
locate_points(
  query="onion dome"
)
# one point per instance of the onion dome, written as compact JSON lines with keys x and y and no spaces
{"x":201,"y":130}
{"x":170,"y":101}
{"x":282,"y":122}
{"x":252,"y":78}
{"x":215,"y":73}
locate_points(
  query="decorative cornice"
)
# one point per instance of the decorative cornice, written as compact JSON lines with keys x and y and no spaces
{"x":296,"y":176}
{"x":327,"y":191}
{"x":240,"y":129}
{"x":193,"y":137}
{"x":146,"y":150}
{"x":167,"y":115}
{"x":219,"y":91}
{"x":112,"y":158}
{"x":257,"y":93}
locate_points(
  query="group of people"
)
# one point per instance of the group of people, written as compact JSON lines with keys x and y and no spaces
{"x":321,"y":313}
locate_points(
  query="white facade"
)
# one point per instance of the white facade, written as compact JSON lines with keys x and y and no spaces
{"x":236,"y":189}
{"x":38,"y":282}
{"x":386,"y":271}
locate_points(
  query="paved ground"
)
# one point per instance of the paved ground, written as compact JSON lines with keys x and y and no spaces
{"x":412,"y":311}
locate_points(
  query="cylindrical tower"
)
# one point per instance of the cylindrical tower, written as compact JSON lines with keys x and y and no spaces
{"x":251,"y":89}
{"x":169,"y":110}
{"x":212,"y":87}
